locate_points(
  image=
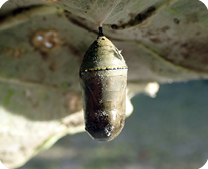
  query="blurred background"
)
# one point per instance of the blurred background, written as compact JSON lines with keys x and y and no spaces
{"x":166,"y":132}
{"x":42,"y":43}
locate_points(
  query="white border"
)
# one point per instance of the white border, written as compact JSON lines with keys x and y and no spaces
{"x":2,"y":2}
{"x":205,"y":2}
{"x":205,"y":166}
{"x":2,"y":166}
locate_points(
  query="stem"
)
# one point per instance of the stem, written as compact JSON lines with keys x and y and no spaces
{"x":100,"y":32}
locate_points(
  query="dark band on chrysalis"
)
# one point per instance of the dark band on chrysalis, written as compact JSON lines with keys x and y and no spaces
{"x":100,"y":32}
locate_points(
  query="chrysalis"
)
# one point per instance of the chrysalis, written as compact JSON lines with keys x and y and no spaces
{"x":103,"y":78}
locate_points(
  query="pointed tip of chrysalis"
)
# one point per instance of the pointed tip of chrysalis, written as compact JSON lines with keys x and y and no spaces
{"x":100,"y":32}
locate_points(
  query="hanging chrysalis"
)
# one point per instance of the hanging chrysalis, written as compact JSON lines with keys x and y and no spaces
{"x":103,"y":78}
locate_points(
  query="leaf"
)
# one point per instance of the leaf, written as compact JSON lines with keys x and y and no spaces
{"x":41,"y":48}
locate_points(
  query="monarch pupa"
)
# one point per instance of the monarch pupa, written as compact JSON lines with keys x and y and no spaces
{"x":103,"y":75}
